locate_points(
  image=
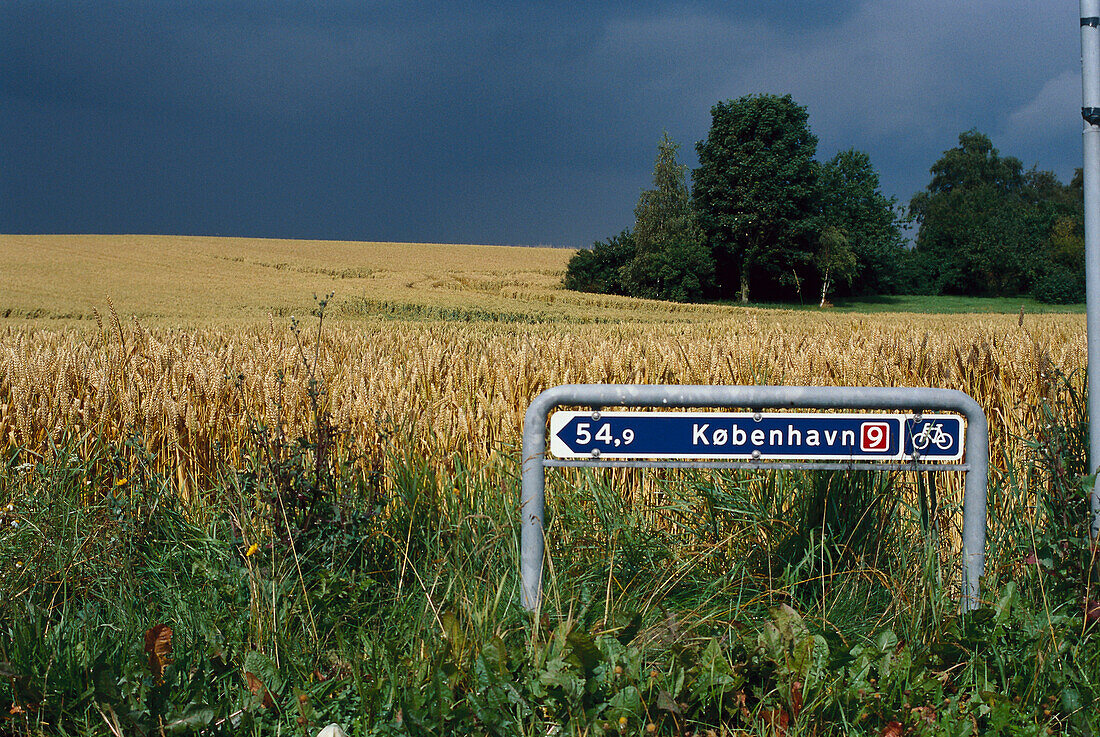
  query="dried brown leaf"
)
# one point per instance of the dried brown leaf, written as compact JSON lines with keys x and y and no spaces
{"x":776,"y":718}
{"x":796,"y":698}
{"x":892,"y":729}
{"x":257,"y":687}
{"x":158,"y":644}
{"x":1092,"y":611}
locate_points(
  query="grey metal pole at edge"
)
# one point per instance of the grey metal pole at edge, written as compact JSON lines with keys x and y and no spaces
{"x":532,"y":500}
{"x":1090,"y":111}
{"x":974,"y":501}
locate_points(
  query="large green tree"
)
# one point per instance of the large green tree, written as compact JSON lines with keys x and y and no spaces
{"x":755,"y":191}
{"x":671,"y":260}
{"x":854,"y":208}
{"x":985,"y":223}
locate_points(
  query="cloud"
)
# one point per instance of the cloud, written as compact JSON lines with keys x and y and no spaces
{"x":499,"y":121}
{"x":898,"y":79}
{"x":1054,"y":112}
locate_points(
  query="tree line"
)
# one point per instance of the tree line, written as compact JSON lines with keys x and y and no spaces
{"x":763,"y":220}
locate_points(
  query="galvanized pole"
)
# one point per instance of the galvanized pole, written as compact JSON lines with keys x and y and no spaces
{"x":1090,"y":111}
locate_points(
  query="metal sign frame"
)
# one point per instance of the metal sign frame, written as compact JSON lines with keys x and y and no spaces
{"x":975,"y":464}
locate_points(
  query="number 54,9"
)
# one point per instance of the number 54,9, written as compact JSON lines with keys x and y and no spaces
{"x":585,"y":436}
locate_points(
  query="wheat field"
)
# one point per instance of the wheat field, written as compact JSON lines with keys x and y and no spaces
{"x":187,"y":281}
{"x":463,"y":388}
{"x":443,"y":347}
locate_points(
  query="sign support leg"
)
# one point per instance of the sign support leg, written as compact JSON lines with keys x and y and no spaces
{"x":532,"y":504}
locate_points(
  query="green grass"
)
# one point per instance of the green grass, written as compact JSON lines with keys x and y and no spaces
{"x":689,"y":601}
{"x":942,"y":304}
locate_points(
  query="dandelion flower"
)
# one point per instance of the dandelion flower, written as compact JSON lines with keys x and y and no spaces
{"x":251,"y":549}
{"x":120,"y":482}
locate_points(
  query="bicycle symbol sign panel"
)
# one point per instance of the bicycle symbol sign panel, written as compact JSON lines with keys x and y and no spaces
{"x":759,"y":436}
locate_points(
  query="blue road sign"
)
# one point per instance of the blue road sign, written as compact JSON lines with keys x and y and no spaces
{"x":760,"y":436}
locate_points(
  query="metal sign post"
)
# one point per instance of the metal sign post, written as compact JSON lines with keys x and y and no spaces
{"x":778,"y":440}
{"x":1090,"y":111}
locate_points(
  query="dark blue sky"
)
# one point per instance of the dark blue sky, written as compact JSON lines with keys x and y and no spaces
{"x":511,"y":123}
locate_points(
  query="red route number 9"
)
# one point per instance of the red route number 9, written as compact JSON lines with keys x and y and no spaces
{"x":874,"y":437}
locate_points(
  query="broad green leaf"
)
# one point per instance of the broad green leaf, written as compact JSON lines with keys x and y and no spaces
{"x":585,"y":651}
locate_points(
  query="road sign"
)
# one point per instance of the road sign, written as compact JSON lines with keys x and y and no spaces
{"x":655,"y":438}
{"x":757,"y":436}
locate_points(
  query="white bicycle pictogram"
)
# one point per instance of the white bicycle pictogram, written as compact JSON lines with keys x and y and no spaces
{"x":932,"y":434}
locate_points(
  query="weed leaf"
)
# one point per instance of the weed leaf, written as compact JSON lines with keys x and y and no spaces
{"x":158,"y":644}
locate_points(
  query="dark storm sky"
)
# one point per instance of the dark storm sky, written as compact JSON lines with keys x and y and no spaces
{"x":511,"y":123}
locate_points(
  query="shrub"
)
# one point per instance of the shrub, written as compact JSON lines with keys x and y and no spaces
{"x":1059,"y":285}
{"x":599,"y":269}
{"x":680,"y":272}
